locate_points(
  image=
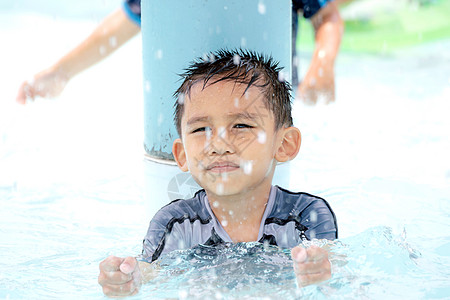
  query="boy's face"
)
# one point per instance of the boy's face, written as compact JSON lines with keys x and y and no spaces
{"x":229,"y":141}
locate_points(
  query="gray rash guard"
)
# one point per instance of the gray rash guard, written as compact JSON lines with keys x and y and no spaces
{"x":288,"y":219}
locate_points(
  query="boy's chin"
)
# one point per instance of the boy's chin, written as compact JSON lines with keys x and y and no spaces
{"x":223,"y":189}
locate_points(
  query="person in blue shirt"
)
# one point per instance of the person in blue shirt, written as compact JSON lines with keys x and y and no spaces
{"x":223,"y":109}
{"x":124,"y":24}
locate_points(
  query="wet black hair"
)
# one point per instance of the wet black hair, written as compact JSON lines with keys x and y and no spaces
{"x":243,"y":67}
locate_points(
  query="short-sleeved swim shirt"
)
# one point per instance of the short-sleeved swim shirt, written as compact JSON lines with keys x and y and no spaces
{"x":309,"y":7}
{"x":133,"y":10}
{"x":289,"y":218}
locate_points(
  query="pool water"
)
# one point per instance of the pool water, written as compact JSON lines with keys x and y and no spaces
{"x":72,"y":178}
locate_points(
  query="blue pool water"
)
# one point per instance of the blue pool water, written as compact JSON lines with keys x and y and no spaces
{"x":72,"y":176}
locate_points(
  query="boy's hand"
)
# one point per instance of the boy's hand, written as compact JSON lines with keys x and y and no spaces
{"x":311,"y":265}
{"x":120,"y":276}
{"x":46,"y":84}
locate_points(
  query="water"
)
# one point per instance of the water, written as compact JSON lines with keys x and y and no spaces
{"x":372,"y":263}
{"x":72,"y":177}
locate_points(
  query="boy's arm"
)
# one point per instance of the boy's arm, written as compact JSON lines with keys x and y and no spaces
{"x":311,"y":265}
{"x":113,"y":31}
{"x":319,"y":79}
{"x":124,"y":276}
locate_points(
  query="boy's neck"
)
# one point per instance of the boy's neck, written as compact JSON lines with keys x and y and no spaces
{"x":241,"y":215}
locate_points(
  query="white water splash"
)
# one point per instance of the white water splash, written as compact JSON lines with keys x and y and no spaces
{"x":248,"y":167}
{"x":262,"y":137}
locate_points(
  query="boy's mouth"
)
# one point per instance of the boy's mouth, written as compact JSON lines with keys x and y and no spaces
{"x":222,"y":166}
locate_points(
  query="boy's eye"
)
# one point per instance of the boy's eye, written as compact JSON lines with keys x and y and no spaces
{"x":201,"y":129}
{"x":243,"y":126}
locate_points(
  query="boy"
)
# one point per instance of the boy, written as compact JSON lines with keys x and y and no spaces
{"x":233,"y":116}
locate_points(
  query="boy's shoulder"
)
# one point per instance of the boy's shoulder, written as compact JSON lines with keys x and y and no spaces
{"x":299,"y":199}
{"x":182,"y":209}
{"x":296,"y":203}
{"x":302,"y":208}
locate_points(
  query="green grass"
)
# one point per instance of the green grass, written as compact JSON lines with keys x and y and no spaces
{"x":390,"y":32}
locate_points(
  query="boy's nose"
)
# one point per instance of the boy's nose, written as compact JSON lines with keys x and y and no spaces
{"x":220,"y":143}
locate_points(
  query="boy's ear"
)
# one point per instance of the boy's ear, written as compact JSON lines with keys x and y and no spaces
{"x":180,"y":155}
{"x":291,"y":140}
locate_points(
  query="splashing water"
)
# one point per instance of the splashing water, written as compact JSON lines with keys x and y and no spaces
{"x":248,"y":167}
{"x":373,"y":264}
{"x":262,"y":137}
{"x":261,"y":8}
{"x":113,"y":41}
{"x":236,"y":59}
{"x":159,"y":54}
{"x":220,"y":189}
{"x":147,"y":86}
{"x":239,"y":270}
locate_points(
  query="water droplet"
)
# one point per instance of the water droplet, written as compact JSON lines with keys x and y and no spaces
{"x":230,"y":212}
{"x":262,"y":137}
{"x":282,"y":76}
{"x":210,"y":57}
{"x":299,"y":293}
{"x":216,"y":204}
{"x":261,"y":8}
{"x":236,"y":102}
{"x":225,"y":7}
{"x":113,"y":41}
{"x":243,"y":42}
{"x":102,"y":50}
{"x":160,"y":119}
{"x":180,"y":99}
{"x":236,"y":59}
{"x":208,"y":133}
{"x":295,"y":61}
{"x":321,"y":53}
{"x":224,"y":176}
{"x":313,"y":216}
{"x":183,"y":294}
{"x":248,"y":167}
{"x":222,"y":132}
{"x":159,"y":54}
{"x":224,"y":223}
{"x":148,"y":87}
{"x":219,"y":189}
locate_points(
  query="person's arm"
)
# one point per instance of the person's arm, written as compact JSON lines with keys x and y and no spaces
{"x":121,"y":277}
{"x":319,"y":79}
{"x":113,"y":32}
